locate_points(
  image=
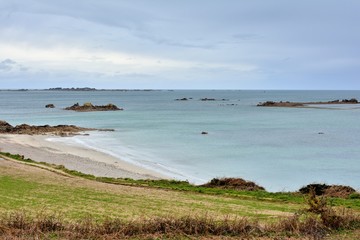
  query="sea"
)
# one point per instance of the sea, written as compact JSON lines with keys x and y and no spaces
{"x":281,"y":149}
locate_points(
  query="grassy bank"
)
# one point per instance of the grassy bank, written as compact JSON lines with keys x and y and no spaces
{"x":77,"y":195}
{"x":57,"y":202}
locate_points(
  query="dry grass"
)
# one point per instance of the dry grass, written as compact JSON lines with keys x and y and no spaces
{"x":22,"y":226}
{"x":168,"y":214}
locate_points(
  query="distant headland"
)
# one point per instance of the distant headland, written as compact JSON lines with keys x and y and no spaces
{"x":83,"y":89}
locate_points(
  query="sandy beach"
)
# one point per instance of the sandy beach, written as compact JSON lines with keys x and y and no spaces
{"x":38,"y":148}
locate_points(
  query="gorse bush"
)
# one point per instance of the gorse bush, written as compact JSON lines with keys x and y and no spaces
{"x":331,"y":218}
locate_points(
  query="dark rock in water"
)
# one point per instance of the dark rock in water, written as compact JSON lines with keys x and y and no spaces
{"x":303,"y":104}
{"x":352,"y":100}
{"x":88,"y":107}
{"x":280,"y":104}
{"x":106,"y":130}
{"x":181,"y":99}
{"x":233,"y":183}
{"x":204,"y":133}
{"x":207,"y":99}
{"x":321,"y":133}
{"x":50,"y":105}
{"x":328,"y":190}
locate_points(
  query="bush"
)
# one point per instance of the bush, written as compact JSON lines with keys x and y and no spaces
{"x":354,"y":196}
{"x":233,"y":183}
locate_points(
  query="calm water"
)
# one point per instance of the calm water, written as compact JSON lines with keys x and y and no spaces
{"x":279,"y":148}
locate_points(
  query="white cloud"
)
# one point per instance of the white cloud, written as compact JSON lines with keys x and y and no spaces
{"x":232,"y":43}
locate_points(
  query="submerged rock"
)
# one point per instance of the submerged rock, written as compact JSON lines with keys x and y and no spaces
{"x":88,"y":107}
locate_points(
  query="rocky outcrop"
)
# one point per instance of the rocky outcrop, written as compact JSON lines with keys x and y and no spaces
{"x":280,"y":104}
{"x":60,"y":130}
{"x":50,"y":105}
{"x":5,"y":127}
{"x":88,"y":107}
{"x":303,"y":104}
{"x":233,"y":183}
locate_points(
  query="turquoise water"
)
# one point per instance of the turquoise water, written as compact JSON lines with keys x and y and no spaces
{"x":279,"y":148}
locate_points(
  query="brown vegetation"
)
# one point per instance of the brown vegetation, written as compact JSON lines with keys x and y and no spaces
{"x":233,"y":183}
{"x":328,"y":190}
{"x":313,"y":225}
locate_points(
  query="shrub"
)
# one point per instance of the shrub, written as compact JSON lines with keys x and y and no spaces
{"x":354,"y":196}
{"x":233,"y":183}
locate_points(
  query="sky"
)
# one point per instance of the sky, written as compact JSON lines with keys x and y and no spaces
{"x":180,"y":44}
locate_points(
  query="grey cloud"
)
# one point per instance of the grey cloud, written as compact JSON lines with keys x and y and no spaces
{"x":313,"y":34}
{"x":7,"y":65}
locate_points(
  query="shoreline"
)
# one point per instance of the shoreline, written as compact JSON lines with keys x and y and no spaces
{"x":73,"y":157}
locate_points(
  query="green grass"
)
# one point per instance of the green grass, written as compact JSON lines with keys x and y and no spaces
{"x":285,"y":197}
{"x":76,"y":202}
{"x":85,"y":196}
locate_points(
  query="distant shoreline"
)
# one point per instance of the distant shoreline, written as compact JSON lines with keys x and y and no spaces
{"x":85,"y":90}
{"x":305,"y":104}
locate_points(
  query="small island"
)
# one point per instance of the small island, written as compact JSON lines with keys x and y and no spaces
{"x":304,"y":104}
{"x":88,"y":107}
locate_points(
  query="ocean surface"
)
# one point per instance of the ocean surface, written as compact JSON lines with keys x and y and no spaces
{"x":281,"y":149}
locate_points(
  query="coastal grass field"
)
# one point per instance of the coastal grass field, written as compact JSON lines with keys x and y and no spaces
{"x":34,"y":189}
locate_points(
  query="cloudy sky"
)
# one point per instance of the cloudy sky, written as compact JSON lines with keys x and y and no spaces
{"x":180,"y":44}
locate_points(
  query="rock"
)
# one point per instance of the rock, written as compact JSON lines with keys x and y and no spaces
{"x":88,"y":107}
{"x":181,"y":99}
{"x":302,"y":104}
{"x":50,"y":105}
{"x":233,"y":183}
{"x":352,"y":100}
{"x":5,"y":127}
{"x":106,"y":130}
{"x":204,"y":133}
{"x":207,"y":99}
{"x":280,"y":104}
{"x":60,"y":130}
{"x":266,"y":104}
